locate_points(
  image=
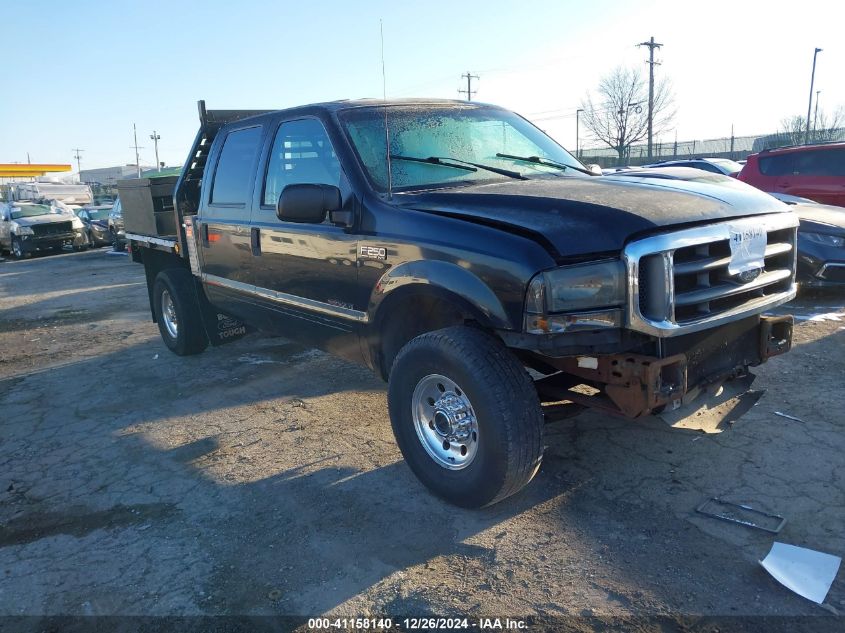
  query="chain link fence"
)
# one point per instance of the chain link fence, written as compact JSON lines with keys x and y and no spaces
{"x":733,"y":147}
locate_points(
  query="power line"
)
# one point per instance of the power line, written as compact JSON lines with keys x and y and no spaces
{"x":469,"y":91}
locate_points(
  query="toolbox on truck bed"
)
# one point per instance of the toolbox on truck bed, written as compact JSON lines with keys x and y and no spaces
{"x":148,"y":205}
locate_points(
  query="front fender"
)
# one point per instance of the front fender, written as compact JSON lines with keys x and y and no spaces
{"x":444,"y":279}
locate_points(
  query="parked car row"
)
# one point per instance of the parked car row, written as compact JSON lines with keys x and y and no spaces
{"x":36,"y":226}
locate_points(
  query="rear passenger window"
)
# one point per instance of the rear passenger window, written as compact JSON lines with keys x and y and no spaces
{"x":821,"y":162}
{"x":778,"y":165}
{"x":235,"y":167}
{"x":302,"y":154}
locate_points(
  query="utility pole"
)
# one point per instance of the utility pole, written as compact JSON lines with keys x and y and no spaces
{"x":578,"y":132}
{"x":816,"y":115}
{"x":810,"y":104}
{"x":651,"y":63}
{"x":155,"y":138}
{"x":469,"y":91}
{"x":137,"y":160}
{"x":78,"y":158}
{"x":732,"y":141}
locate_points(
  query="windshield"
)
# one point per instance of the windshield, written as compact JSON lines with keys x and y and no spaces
{"x":30,"y":210}
{"x":99,"y":214}
{"x":473,"y":135}
{"x":730,"y":166}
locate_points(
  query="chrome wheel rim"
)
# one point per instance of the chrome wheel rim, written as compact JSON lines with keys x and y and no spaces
{"x":16,"y":249}
{"x":445,"y":422}
{"x":168,"y":314}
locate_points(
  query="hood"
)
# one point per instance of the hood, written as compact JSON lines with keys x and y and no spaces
{"x":574,"y":216}
{"x":49,"y":218}
{"x":821,"y":214}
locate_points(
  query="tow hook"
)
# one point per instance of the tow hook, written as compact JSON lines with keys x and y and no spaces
{"x":775,"y":335}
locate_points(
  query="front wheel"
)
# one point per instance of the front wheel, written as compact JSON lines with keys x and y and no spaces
{"x":178,"y":313}
{"x":466,"y":416}
{"x":17,"y":248}
{"x":117,"y":244}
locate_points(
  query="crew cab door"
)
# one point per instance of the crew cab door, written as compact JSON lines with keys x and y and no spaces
{"x":305,"y":274}
{"x":223,"y":223}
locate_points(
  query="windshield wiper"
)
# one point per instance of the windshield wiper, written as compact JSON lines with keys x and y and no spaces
{"x":547,"y":162}
{"x":461,"y":164}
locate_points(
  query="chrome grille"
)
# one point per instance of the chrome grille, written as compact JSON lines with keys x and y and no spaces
{"x":679,"y":282}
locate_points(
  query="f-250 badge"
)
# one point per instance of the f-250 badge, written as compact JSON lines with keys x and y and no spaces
{"x":372,"y":252}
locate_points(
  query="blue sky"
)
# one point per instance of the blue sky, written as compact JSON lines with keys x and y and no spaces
{"x":83,"y":72}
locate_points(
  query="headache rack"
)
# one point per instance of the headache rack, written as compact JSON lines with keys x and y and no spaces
{"x":186,"y":196}
{"x":679,"y":281}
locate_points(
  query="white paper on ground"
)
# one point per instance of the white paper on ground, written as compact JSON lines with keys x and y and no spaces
{"x":806,"y":572}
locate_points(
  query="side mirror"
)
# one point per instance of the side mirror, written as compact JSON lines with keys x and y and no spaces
{"x":307,"y":203}
{"x":594,"y":169}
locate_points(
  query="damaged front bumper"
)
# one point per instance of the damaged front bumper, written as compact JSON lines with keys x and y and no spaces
{"x":635,"y":385}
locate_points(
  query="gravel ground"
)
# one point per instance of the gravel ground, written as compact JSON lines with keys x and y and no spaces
{"x":261,"y":477}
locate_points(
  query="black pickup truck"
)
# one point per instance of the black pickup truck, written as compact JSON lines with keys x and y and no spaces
{"x":475,"y":265}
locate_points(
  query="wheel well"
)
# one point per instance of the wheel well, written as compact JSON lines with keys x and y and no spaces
{"x":154,"y":262}
{"x":408,"y":317}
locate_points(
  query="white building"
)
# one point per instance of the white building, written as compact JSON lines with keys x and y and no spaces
{"x":110,"y":175}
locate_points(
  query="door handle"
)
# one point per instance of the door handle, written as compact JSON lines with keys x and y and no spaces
{"x":204,"y":234}
{"x":255,"y":240}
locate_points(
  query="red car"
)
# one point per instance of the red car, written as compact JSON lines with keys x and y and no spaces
{"x":816,"y":172}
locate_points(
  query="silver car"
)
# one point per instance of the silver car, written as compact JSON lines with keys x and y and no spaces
{"x":28,"y":227}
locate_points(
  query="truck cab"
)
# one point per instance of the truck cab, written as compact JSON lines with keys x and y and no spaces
{"x":473,"y":263}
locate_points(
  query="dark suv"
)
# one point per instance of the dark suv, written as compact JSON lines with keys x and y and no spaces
{"x":816,"y":172}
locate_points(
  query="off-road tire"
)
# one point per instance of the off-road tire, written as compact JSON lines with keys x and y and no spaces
{"x":190,"y":337}
{"x":505,"y":404}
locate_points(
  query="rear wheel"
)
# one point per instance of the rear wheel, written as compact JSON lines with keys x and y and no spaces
{"x":466,"y":416}
{"x":178,"y":313}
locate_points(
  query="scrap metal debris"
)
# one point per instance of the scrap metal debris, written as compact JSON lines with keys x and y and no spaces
{"x":742,"y":514}
{"x":788,"y":417}
{"x":806,"y":572}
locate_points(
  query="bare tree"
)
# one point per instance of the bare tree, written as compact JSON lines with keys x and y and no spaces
{"x":619,"y":116}
{"x":827,"y":128}
{"x":792,"y":130}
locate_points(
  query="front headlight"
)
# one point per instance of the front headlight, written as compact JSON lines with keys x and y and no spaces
{"x":584,"y":296}
{"x":77,"y":223}
{"x":823,"y":238}
{"x":17,"y":229}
